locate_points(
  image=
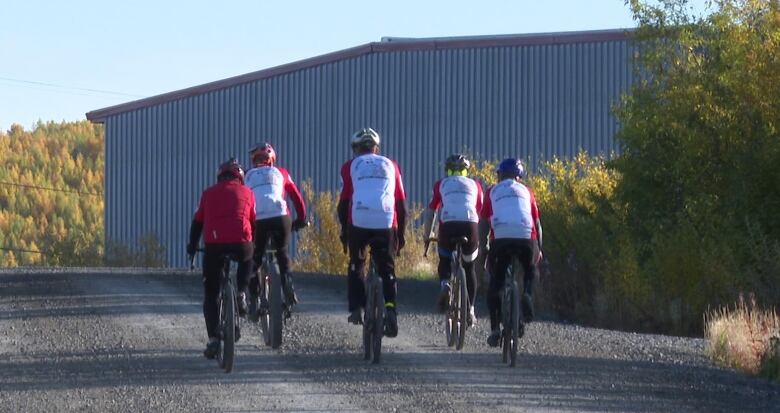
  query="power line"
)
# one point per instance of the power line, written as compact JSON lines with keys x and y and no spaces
{"x":21,"y":250}
{"x":35,"y":82}
{"x":52,"y":189}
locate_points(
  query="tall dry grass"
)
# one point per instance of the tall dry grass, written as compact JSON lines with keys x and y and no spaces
{"x":745,"y":337}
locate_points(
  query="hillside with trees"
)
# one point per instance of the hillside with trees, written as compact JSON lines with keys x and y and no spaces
{"x":51,"y":194}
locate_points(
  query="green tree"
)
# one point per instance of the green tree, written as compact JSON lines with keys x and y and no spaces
{"x":701,"y":151}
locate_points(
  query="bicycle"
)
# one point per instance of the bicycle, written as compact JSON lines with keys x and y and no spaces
{"x":228,"y":328}
{"x":270,"y":302}
{"x":511,"y":318}
{"x":374,"y":317}
{"x":457,"y":315}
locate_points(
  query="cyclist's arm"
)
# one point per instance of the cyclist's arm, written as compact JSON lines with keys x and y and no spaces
{"x":479,"y":197}
{"x":252,"y":211}
{"x":400,"y":202}
{"x":430,"y":212}
{"x":484,"y":223}
{"x":346,"y":195}
{"x":196,"y":228}
{"x":295,"y":195}
{"x":537,"y":220}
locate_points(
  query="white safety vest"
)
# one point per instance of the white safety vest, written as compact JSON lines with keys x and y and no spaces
{"x":267,"y":183}
{"x":511,"y":204}
{"x":373,"y":196}
{"x":459,"y":195}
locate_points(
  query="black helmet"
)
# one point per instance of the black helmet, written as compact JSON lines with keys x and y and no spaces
{"x":231,"y":168}
{"x":457,"y":164}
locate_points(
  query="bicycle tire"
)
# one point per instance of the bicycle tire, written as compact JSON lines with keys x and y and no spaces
{"x":368,"y":320}
{"x":379,"y":319}
{"x":275,"y":321}
{"x":505,"y":317}
{"x":264,"y":303}
{"x":254,"y":299}
{"x":515,"y":320}
{"x":228,"y":311}
{"x":462,"y":307}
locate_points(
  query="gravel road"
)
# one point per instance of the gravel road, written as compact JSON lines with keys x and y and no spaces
{"x":109,"y":340}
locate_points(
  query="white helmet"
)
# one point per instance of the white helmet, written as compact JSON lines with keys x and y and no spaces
{"x":365,"y":138}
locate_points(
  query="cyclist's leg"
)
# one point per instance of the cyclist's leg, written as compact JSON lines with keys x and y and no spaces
{"x":244,"y":252}
{"x":212,"y":264}
{"x":385,"y":262}
{"x":384,"y":256}
{"x":444,"y":248}
{"x":525,"y":253}
{"x":283,"y":226}
{"x":470,"y":252}
{"x":499,"y":262}
{"x":356,"y":290}
{"x":260,"y":238}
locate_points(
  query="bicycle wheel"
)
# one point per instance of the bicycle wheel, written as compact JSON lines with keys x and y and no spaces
{"x":517,"y":275}
{"x":265,"y":315}
{"x":462,"y":306}
{"x":379,"y":318}
{"x":275,"y":304}
{"x":228,"y":324}
{"x":506,"y":305}
{"x":254,"y":298}
{"x":515,"y":322}
{"x":368,"y":319}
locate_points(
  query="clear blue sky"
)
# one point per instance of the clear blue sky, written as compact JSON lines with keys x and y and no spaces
{"x":141,"y":48}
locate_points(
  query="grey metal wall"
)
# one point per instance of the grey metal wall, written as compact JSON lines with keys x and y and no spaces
{"x":527,"y":101}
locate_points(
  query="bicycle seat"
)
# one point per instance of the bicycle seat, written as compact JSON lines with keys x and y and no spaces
{"x":459,"y":240}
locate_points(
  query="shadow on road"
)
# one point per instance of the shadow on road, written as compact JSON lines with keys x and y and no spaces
{"x":568,"y":383}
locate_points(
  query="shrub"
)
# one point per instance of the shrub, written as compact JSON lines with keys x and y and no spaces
{"x":147,"y":253}
{"x":745,"y":337}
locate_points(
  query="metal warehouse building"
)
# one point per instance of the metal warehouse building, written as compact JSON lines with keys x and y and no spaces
{"x":530,"y":96}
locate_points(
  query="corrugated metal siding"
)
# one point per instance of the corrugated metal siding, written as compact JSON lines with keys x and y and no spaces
{"x":534,"y":102}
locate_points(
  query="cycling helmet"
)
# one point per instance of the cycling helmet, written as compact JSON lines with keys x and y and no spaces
{"x":457,"y":164}
{"x":231,"y":168}
{"x":365,"y":138}
{"x":263,"y":154}
{"x":511,"y":166}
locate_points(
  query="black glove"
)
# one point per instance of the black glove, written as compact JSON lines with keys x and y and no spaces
{"x":298,"y":224}
{"x":191,"y":249}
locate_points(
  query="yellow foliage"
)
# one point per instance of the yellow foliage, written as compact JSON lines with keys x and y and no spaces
{"x":319,"y":248}
{"x":41,"y":174}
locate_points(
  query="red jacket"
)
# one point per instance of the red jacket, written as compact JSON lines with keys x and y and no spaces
{"x":227,"y":211}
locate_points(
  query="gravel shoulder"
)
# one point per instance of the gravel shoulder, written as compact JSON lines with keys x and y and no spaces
{"x":108,"y":340}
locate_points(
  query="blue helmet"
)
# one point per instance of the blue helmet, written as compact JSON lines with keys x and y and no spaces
{"x":511,"y":166}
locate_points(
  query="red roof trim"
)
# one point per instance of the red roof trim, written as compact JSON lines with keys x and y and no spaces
{"x":99,"y":116}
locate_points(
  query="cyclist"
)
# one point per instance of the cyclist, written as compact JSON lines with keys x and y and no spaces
{"x":460,"y":200}
{"x":510,"y":208}
{"x":271,"y":184}
{"x":225,"y":216}
{"x":371,"y":206}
